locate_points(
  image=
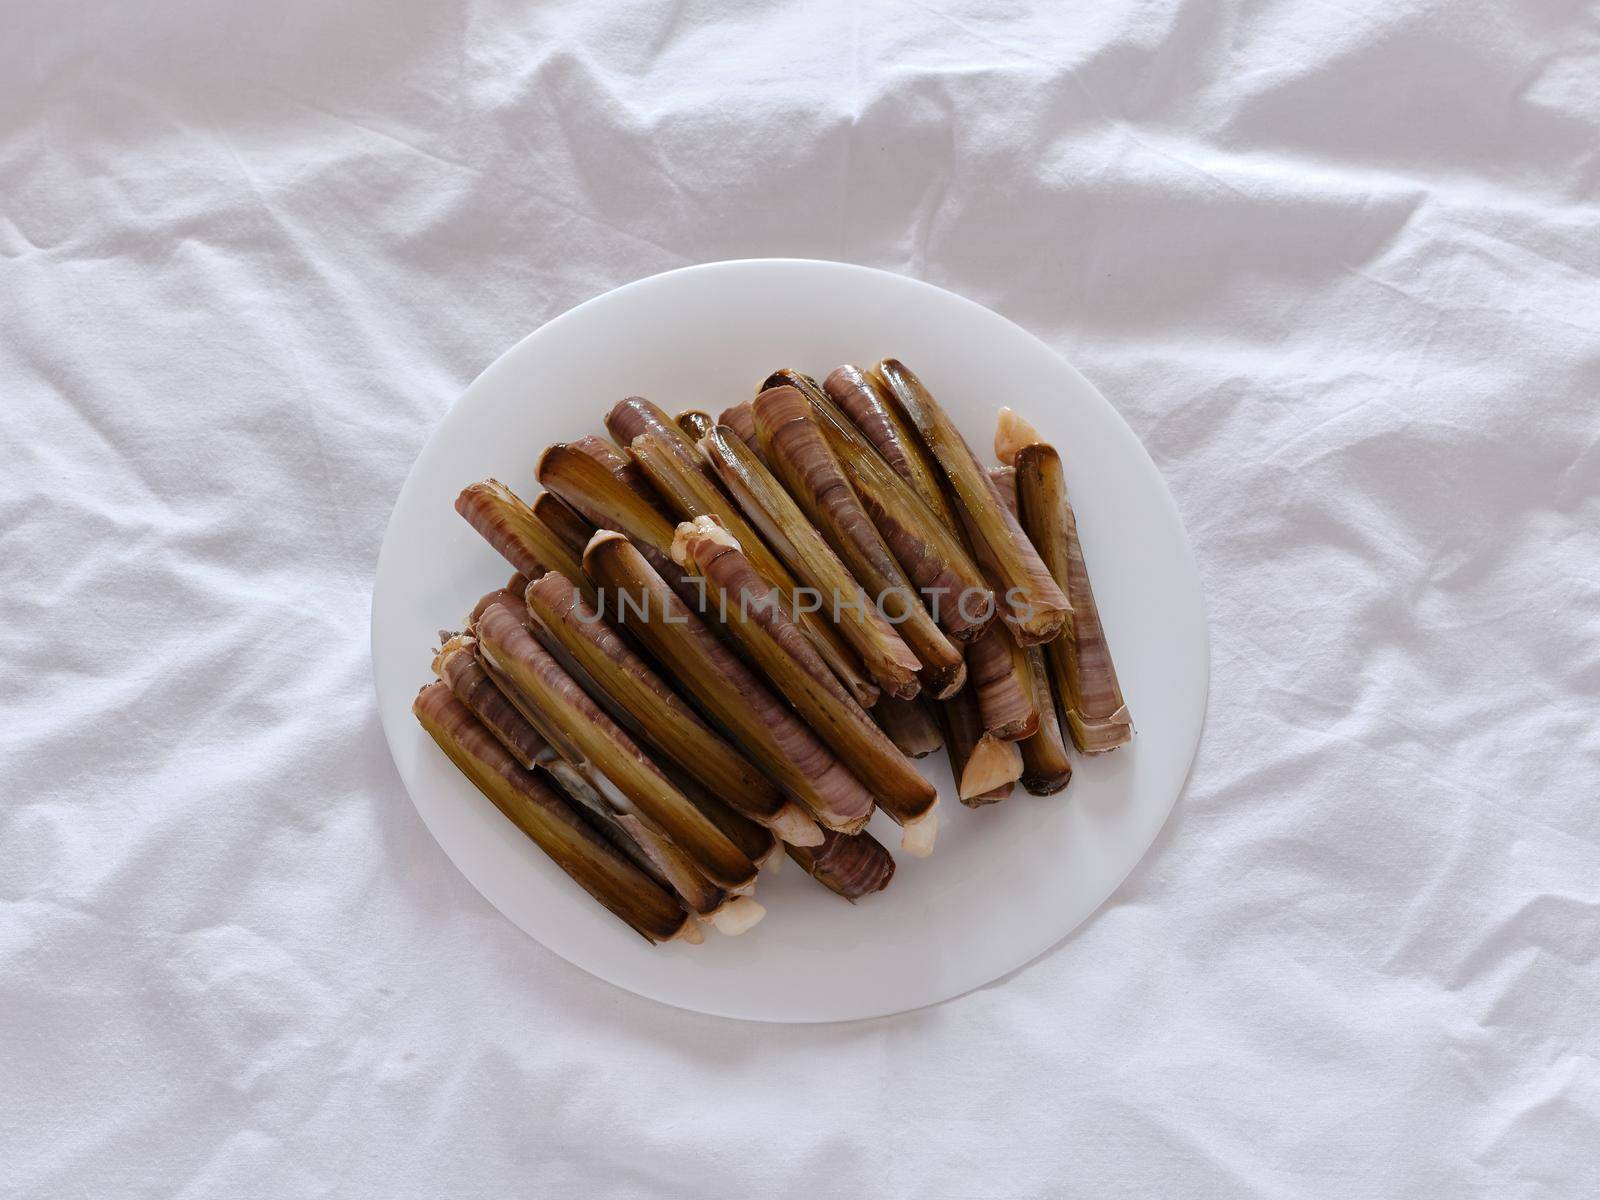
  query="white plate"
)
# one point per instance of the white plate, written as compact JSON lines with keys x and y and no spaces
{"x":1007,"y":882}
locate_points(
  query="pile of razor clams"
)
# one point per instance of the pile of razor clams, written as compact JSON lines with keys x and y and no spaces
{"x":727,"y":640}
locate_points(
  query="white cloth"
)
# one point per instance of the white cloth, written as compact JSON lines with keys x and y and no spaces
{"x":1336,"y":264}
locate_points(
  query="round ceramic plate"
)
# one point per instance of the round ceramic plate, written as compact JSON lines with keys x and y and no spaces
{"x":1007,"y":881}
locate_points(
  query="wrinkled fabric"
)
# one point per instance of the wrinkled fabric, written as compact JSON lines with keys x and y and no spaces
{"x":1337,"y":266}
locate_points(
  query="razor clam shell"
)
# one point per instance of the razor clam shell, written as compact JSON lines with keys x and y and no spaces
{"x":813,"y":562}
{"x":851,"y":866}
{"x":642,"y":700}
{"x":802,"y":460}
{"x":1084,"y":673}
{"x":1031,"y":603}
{"x":584,"y":729}
{"x":457,"y":664}
{"x":548,"y":820}
{"x":789,"y":662}
{"x":508,"y":524}
{"x":691,"y":492}
{"x":727,"y":691}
